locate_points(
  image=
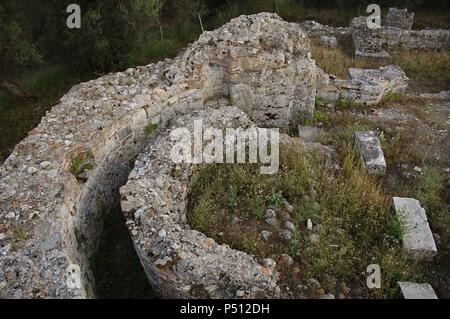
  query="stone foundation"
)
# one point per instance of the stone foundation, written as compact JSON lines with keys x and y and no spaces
{"x":50,"y":220}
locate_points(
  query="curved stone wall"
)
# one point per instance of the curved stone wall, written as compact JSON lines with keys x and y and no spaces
{"x":50,"y":219}
{"x":181,"y":262}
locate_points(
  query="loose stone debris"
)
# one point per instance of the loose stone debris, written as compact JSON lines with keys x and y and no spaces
{"x":363,"y":86}
{"x":412,"y":290}
{"x":371,"y":153}
{"x":418,"y":239}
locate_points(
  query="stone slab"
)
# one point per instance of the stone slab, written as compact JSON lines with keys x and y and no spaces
{"x":372,"y":155}
{"x":418,"y":239}
{"x":412,"y":290}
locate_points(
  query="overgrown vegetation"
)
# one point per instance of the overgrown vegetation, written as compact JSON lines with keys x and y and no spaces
{"x":81,"y":162}
{"x":150,"y":128}
{"x":428,"y":70}
{"x":353,"y":223}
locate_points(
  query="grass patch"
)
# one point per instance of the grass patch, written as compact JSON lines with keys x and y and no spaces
{"x":335,"y":61}
{"x":355,"y":226}
{"x":428,"y":70}
{"x":81,"y":163}
{"x":150,"y":128}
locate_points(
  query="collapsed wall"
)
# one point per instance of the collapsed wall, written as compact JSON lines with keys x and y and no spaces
{"x":52,"y":204}
{"x":395,"y":32}
{"x":181,"y":262}
{"x":363,"y":86}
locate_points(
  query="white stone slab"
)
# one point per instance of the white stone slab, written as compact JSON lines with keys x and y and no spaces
{"x":371,"y":153}
{"x":418,"y":239}
{"x":412,"y":290}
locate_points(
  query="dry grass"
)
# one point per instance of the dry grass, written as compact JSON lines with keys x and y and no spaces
{"x":335,"y":61}
{"x":429,"y":71}
{"x":357,"y":227}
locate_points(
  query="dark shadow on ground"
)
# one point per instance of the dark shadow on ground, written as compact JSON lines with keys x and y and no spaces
{"x":117,"y":270}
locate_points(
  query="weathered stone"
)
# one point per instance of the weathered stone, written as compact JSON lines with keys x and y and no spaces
{"x":329,"y":41}
{"x":369,"y":43}
{"x":308,"y":133}
{"x":412,"y":290}
{"x":289,"y":226}
{"x":270,"y":213}
{"x":418,"y":239}
{"x":265,"y":235}
{"x":371,"y":153}
{"x":399,"y":18}
{"x":315,"y":29}
{"x":363,"y":86}
{"x":309,"y":224}
{"x":259,"y":63}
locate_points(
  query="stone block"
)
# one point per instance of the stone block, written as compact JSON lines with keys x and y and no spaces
{"x":412,"y":290}
{"x":371,"y":153}
{"x":418,"y":239}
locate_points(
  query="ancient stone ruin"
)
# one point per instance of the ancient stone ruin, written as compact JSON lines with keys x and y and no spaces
{"x":77,"y":163}
{"x":363,"y":86}
{"x":395,"y":32}
{"x":259,"y":64}
{"x":399,"y":18}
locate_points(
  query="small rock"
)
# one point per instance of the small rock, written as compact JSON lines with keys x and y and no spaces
{"x":265,"y":235}
{"x":52,"y":173}
{"x":289,"y":207}
{"x":2,"y":236}
{"x":45,"y":164}
{"x":10,"y":215}
{"x":328,"y":296}
{"x":329,"y":41}
{"x":269,"y":263}
{"x":289,"y":226}
{"x":272,"y":221}
{"x":309,"y":224}
{"x":270,"y":213}
{"x":417,"y":169}
{"x":314,"y":284}
{"x":240,"y":293}
{"x":286,"y":260}
{"x":285,"y":235}
{"x":31,"y":170}
{"x":162,"y":233}
{"x":284,"y":216}
{"x":313,"y":238}
{"x":235,"y":220}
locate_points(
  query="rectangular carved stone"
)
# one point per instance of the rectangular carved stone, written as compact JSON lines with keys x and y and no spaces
{"x":412,"y":290}
{"x":418,"y":239}
{"x":371,"y":153}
